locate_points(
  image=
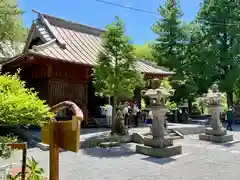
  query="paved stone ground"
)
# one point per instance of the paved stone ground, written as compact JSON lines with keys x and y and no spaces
{"x":200,"y":161}
{"x":93,"y":132}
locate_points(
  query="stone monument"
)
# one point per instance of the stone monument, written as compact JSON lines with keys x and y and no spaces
{"x":216,"y":132}
{"x":159,"y":144}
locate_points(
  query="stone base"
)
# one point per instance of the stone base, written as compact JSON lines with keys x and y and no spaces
{"x":42,"y":146}
{"x":109,"y":144}
{"x":138,"y":138}
{"x":159,"y":152}
{"x":157,"y":143}
{"x":216,"y":139}
{"x":221,"y":132}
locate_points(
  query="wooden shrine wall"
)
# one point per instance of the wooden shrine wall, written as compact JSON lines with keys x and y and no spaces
{"x":57,"y":81}
{"x":69,"y":82}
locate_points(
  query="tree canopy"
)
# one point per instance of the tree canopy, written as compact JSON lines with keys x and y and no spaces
{"x":167,"y":47}
{"x":11,"y":29}
{"x":220,"y":25}
{"x":115,"y":74}
{"x":144,"y":51}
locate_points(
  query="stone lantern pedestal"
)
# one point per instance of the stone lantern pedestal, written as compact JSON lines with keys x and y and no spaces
{"x":216,"y":132}
{"x":159,"y":144}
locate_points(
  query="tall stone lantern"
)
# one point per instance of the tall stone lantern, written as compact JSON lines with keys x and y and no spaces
{"x":216,"y":132}
{"x":157,"y":144}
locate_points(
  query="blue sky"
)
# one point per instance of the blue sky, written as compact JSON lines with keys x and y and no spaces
{"x":99,"y":15}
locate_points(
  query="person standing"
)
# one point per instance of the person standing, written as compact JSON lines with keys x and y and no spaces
{"x":125,"y":113}
{"x":230,"y":115}
{"x":109,"y":110}
{"x":135,"y":114}
{"x":149,"y":120}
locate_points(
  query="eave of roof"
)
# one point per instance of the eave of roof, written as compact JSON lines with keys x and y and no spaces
{"x":12,"y":59}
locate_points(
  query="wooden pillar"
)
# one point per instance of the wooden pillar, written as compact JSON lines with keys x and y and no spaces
{"x":86,"y":103}
{"x":86,"y":79}
{"x":49,"y":94}
{"x":22,"y":146}
{"x":49,"y":71}
{"x":54,"y":152}
{"x":49,"y":91}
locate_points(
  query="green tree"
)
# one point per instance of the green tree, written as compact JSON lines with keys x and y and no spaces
{"x":220,"y":24}
{"x":196,"y":74}
{"x":115,"y":74}
{"x":169,"y":35}
{"x":196,"y":56}
{"x":172,"y":49}
{"x":144,"y":52}
{"x":11,"y":30}
{"x":20,"y":105}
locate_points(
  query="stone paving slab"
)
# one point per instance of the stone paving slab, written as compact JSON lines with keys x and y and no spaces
{"x":87,"y":133}
{"x":200,"y":160}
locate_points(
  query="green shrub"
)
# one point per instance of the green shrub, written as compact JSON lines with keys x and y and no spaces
{"x":5,"y":151}
{"x":171,"y":105}
{"x":20,"y":105}
{"x":196,"y":109}
{"x":33,"y":172}
{"x":223,"y":102}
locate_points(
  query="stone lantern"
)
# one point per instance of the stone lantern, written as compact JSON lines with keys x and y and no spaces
{"x":157,"y":97}
{"x":157,"y":144}
{"x":216,"y":132}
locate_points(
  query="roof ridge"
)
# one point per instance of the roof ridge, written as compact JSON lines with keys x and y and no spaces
{"x":70,"y":22}
{"x":48,"y":26}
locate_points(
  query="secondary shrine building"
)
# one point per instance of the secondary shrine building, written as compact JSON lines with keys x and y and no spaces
{"x":57,"y":62}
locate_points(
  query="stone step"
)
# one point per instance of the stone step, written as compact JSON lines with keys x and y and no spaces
{"x":172,"y":134}
{"x":169,"y":130}
{"x":176,"y":137}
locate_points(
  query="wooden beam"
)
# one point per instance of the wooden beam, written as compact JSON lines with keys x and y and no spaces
{"x":23,"y":147}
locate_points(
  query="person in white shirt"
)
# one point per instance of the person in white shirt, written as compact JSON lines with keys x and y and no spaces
{"x":125,"y":113}
{"x":125,"y":110}
{"x":109,"y":110}
{"x":149,"y":119}
{"x":135,"y":114}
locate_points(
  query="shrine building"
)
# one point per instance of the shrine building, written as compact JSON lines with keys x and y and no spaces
{"x":57,"y":62}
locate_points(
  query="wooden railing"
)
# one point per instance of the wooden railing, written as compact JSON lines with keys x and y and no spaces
{"x":23,"y":147}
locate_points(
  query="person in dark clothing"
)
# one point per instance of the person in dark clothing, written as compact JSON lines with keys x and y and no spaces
{"x":230,"y":118}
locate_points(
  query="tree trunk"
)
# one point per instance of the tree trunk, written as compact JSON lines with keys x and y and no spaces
{"x":137,"y":96}
{"x":114,"y":114}
{"x":230,"y":98}
{"x":189,"y":107}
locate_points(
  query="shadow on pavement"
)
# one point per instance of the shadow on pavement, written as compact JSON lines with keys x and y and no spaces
{"x":231,"y":144}
{"x":235,"y":127}
{"x":160,"y":161}
{"x":93,"y":130}
{"x":113,"y":152}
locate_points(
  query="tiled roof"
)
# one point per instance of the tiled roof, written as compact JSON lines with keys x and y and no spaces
{"x":73,"y":42}
{"x":10,"y":50}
